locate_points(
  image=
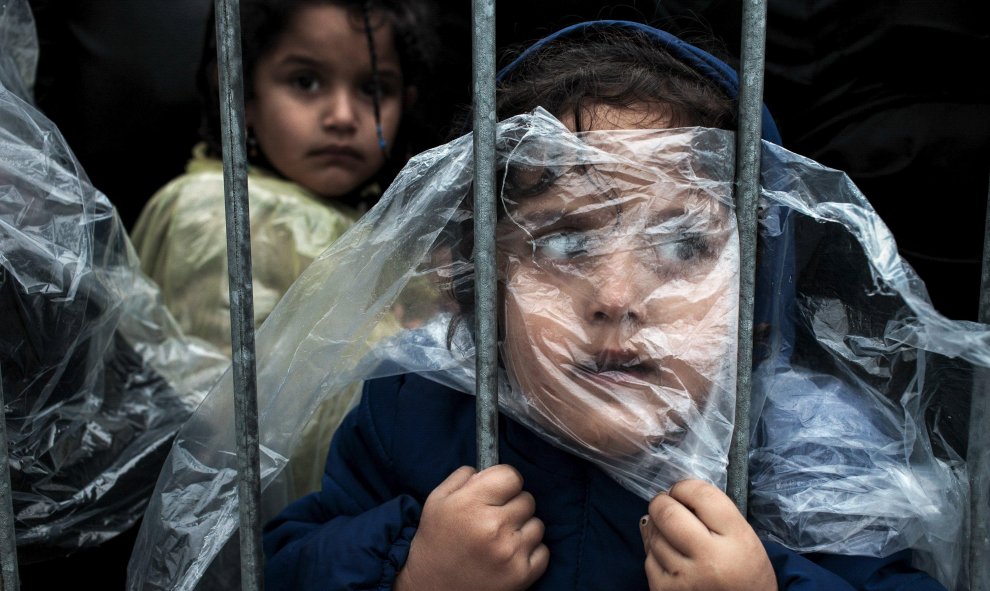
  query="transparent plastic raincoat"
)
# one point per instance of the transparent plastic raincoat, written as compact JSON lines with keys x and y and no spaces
{"x":95,"y":377}
{"x":857,"y":422}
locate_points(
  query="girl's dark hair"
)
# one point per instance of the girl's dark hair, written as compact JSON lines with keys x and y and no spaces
{"x":263,"y":22}
{"x":617,"y":67}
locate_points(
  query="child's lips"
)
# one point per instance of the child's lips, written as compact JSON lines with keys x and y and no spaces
{"x":337,"y":153}
{"x":631,"y":371}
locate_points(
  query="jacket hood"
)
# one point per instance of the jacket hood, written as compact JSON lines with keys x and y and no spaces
{"x":705,"y":63}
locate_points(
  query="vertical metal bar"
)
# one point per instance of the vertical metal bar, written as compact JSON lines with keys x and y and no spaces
{"x":978,"y":450}
{"x":9,"y":576}
{"x":486,"y":319}
{"x":984,"y":313}
{"x":241,"y":297}
{"x":747,"y":189}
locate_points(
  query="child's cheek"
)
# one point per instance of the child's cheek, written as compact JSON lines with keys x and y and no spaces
{"x":539,"y":297}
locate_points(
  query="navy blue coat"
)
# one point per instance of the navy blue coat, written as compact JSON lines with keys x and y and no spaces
{"x":408,"y":434}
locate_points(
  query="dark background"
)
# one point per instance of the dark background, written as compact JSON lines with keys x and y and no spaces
{"x":889,"y":91}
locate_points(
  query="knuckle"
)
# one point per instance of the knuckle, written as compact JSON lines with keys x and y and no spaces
{"x":541,"y":559}
{"x":687,"y":488}
{"x":503,"y":551}
{"x":532,"y":532}
{"x":488,"y":529}
{"x":539,"y":527}
{"x":507,"y":473}
{"x":662,"y":511}
{"x":529,"y":502}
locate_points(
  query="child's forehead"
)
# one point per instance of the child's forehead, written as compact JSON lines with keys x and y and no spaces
{"x":644,"y":171}
{"x":321,"y":28}
{"x":592,"y":116}
{"x":640,"y":155}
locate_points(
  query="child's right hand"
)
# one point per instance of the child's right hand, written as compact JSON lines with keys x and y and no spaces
{"x":477,"y":531}
{"x":696,"y":540}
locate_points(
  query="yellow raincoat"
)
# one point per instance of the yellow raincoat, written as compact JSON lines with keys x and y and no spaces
{"x":182,"y":243}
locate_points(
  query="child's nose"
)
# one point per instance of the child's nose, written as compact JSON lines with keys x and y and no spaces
{"x":618,"y":290}
{"x":340,"y":112}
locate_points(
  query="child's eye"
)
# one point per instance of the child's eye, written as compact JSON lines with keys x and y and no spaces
{"x":527,"y":181}
{"x":369,"y":88}
{"x":306,"y":82}
{"x":384,"y":88}
{"x":687,"y":246}
{"x":562,"y":246}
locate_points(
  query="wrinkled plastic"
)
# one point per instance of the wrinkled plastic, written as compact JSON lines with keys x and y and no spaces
{"x":619,"y":274}
{"x":618,"y":265}
{"x":95,"y":377}
{"x":861,"y":392}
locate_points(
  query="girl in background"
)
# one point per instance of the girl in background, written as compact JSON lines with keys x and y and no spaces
{"x":329,"y":90}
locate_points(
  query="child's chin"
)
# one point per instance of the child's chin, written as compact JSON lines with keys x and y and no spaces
{"x":613,"y":439}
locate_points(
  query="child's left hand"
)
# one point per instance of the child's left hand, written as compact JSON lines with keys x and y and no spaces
{"x":696,"y":539}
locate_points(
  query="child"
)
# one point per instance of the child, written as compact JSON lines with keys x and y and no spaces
{"x":618,"y":265}
{"x":329,"y":85}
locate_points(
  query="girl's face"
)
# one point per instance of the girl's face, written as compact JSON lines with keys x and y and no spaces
{"x":313,"y":106}
{"x":619,"y":294}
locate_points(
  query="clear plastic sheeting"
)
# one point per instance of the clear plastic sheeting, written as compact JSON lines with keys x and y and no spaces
{"x":618,"y":270}
{"x":861,"y":396}
{"x":95,"y":377}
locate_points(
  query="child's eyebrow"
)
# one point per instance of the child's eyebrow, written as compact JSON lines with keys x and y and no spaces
{"x":299,"y":59}
{"x":296,"y":59}
{"x":691,"y":213}
{"x":597,"y":208}
{"x":389,"y":73}
{"x":535,"y":216}
{"x":667,"y":213}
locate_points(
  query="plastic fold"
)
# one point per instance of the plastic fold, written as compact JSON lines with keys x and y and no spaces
{"x":95,"y":376}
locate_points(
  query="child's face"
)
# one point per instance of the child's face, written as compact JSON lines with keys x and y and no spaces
{"x":620,"y":296}
{"x":313,"y":111}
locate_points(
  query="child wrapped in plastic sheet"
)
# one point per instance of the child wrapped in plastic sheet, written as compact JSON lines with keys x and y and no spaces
{"x":618,"y":268}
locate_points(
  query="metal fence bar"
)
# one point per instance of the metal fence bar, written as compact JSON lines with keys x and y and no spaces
{"x":984,"y":312}
{"x":486,"y":316}
{"x":747,"y":189}
{"x":9,"y":577}
{"x":241,"y":295}
{"x":978,"y":450}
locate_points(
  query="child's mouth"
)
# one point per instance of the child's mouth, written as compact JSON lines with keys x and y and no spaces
{"x":631,"y":369}
{"x":337,"y":153}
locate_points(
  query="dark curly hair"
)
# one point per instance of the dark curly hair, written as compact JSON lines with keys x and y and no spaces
{"x":618,"y":67}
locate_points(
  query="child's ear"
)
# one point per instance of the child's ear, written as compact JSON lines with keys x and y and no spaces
{"x":409,"y":97}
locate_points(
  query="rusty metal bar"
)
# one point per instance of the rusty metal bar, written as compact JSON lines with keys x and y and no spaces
{"x":9,"y":576}
{"x":978,"y":450}
{"x":486,"y":316}
{"x":747,"y":190}
{"x":241,"y":294}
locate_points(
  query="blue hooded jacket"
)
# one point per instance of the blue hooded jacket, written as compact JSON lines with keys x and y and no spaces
{"x":409,"y":433}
